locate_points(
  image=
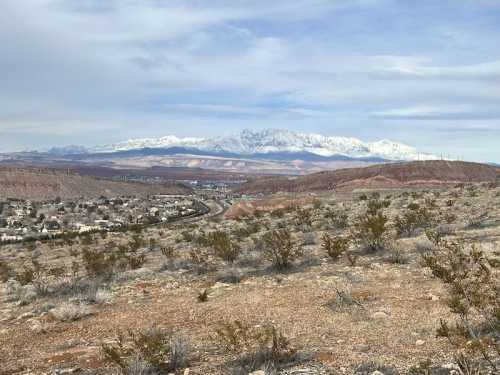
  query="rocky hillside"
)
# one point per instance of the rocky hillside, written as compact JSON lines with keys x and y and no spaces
{"x":38,"y":184}
{"x":397,"y":175}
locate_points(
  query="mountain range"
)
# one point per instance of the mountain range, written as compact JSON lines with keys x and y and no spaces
{"x":271,"y":144}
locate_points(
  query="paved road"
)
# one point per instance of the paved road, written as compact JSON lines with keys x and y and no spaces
{"x":217,"y":208}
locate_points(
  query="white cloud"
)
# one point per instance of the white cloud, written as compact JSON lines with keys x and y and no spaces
{"x":108,"y":64}
{"x":426,"y":112}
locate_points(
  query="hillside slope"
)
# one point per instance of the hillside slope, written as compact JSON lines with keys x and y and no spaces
{"x":397,"y":175}
{"x":39,"y":184}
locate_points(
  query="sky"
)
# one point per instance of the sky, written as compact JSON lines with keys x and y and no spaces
{"x":425,"y":73}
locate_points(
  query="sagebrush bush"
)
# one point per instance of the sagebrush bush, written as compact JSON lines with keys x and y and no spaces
{"x":474,"y":296}
{"x":135,"y":261}
{"x":280,"y":248}
{"x":168,"y":252}
{"x":224,"y":247}
{"x":199,"y":259}
{"x":371,"y":229}
{"x":160,"y":349}
{"x":254,"y":345}
{"x":412,"y":219}
{"x":203,"y":295}
{"x":396,"y":255}
{"x":336,"y":246}
{"x":303,"y":217}
{"x":6,"y":271}
{"x":352,"y":258}
{"x":343,"y":297}
{"x":99,"y":263}
{"x":476,"y":221}
{"x":69,"y":312}
{"x":339,"y":219}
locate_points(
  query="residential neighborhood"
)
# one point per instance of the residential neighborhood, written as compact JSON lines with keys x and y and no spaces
{"x":24,"y":219}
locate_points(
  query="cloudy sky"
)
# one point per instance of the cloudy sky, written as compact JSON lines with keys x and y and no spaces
{"x":426,"y":73}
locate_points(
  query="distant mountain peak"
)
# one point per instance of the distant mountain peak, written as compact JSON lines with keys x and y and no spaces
{"x":272,"y":141}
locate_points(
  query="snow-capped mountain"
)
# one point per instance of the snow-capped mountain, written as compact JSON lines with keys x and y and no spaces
{"x":272,"y":141}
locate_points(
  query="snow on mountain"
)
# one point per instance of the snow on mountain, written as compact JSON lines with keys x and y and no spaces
{"x":250,"y":142}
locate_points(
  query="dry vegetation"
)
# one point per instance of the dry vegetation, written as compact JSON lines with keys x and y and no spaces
{"x":399,"y":282}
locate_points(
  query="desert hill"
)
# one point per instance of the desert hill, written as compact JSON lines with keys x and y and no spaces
{"x":396,"y":175}
{"x":39,"y":184}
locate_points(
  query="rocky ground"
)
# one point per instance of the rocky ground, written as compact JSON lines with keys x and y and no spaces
{"x":377,"y":311}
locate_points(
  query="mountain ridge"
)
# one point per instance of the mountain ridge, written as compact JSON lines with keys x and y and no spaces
{"x":258,"y":144}
{"x":433,"y":173}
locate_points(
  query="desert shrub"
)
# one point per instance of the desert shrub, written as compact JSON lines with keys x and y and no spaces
{"x":25,"y":294}
{"x":168,"y":252}
{"x":343,"y":298}
{"x":255,"y":345}
{"x":434,"y":236}
{"x":135,"y":243}
{"x":37,"y":274}
{"x":135,"y":261}
{"x":317,"y":204}
{"x":93,"y":293}
{"x":6,"y":271}
{"x":280,"y":248}
{"x":449,"y":217}
{"x":199,"y":259}
{"x":413,"y":206}
{"x":160,"y":350}
{"x":26,"y":276}
{"x":152,"y":244}
{"x":278,"y":213}
{"x":474,"y":296}
{"x":187,"y":236}
{"x":224,"y":247}
{"x":338,"y":218}
{"x":87,"y":240}
{"x":203,"y":295}
{"x":461,"y":368}
{"x":352,"y":258}
{"x":430,"y":202}
{"x":396,"y":255}
{"x":412,"y":219}
{"x":69,"y":312}
{"x":476,"y":221}
{"x":335,"y":246}
{"x":303,"y":217}
{"x":99,"y":263}
{"x":370,"y":229}
{"x":246,"y":230}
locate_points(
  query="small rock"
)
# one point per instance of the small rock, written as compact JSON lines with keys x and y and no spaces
{"x":380,"y":315}
{"x":377,"y":372}
{"x":26,"y":315}
{"x":36,"y":327}
{"x":450,"y":369}
{"x":258,"y":372}
{"x":420,"y":342}
{"x":66,"y":371}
